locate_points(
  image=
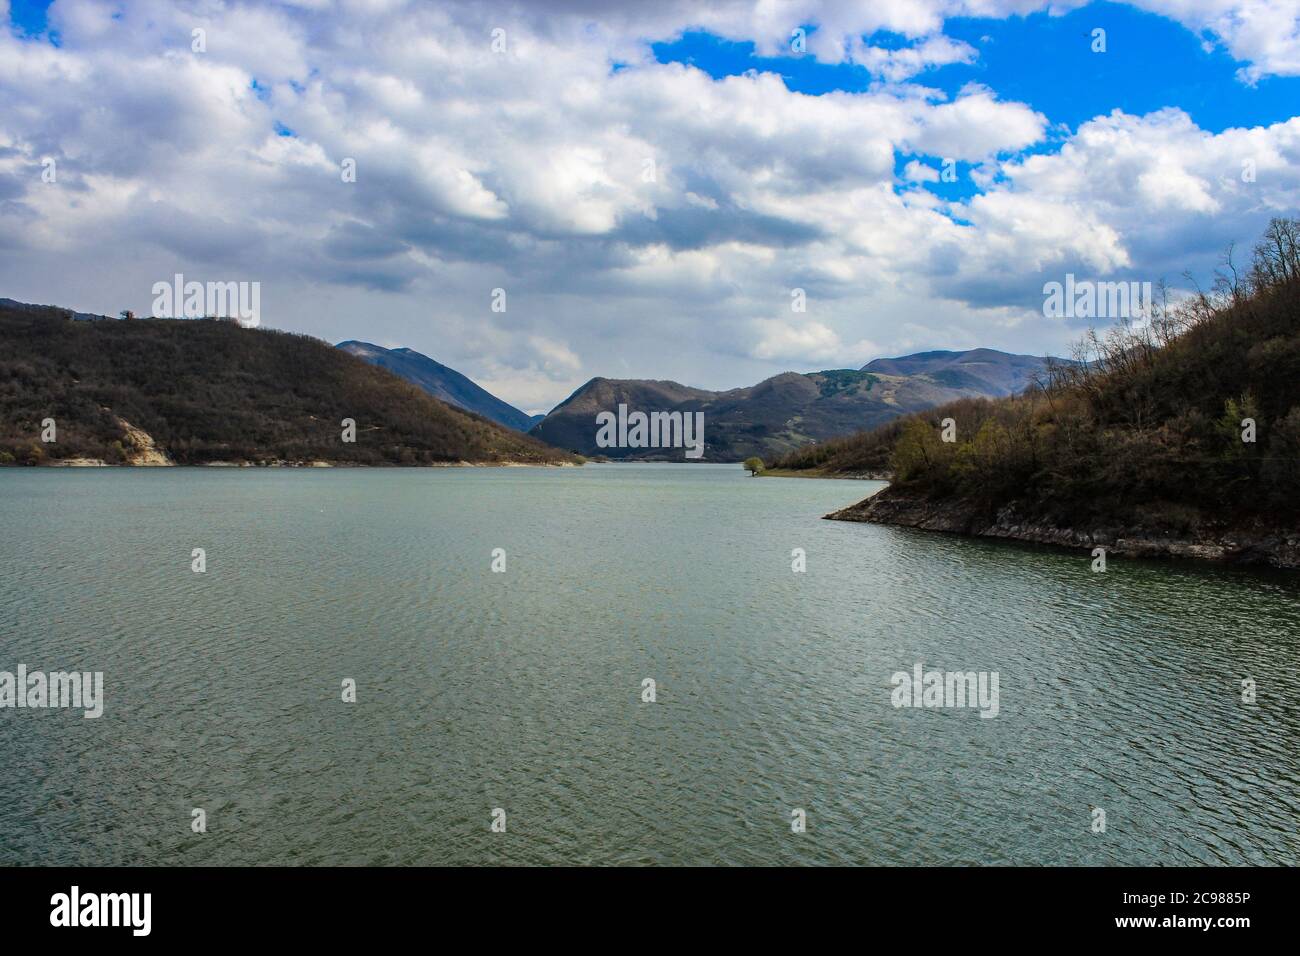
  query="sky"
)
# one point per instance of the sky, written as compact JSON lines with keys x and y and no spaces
{"x":654,"y":187}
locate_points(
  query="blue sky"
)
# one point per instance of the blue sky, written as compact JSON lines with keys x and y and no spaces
{"x":1047,"y":62}
{"x":29,"y":15}
{"x":648,"y":182}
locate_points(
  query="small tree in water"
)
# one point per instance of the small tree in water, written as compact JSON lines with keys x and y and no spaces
{"x":753,"y":466}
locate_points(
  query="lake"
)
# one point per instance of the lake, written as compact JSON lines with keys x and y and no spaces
{"x":522,"y":690}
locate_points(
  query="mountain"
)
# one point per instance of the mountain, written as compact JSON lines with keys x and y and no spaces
{"x":162,"y":391}
{"x":443,"y":383}
{"x":790,"y":410}
{"x":1180,"y":436}
{"x":987,"y":371}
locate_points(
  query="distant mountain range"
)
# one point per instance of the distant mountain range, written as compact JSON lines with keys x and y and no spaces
{"x":771,"y":419}
{"x":443,"y":383}
{"x":790,"y":410}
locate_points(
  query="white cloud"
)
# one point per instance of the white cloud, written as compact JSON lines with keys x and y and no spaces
{"x":1263,"y":34}
{"x":807,"y":342}
{"x":918,"y":172}
{"x":1137,"y":194}
{"x":907,"y":62}
{"x":530,"y":170}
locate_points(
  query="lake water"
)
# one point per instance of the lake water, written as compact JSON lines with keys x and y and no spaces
{"x":522,"y":690}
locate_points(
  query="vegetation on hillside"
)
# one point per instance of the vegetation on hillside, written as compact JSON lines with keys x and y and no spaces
{"x":214,"y":391}
{"x":836,"y":380}
{"x":1149,"y":425}
{"x":864,"y":452}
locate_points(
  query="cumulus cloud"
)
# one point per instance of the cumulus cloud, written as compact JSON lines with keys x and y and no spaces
{"x":907,"y":62}
{"x":918,"y":172}
{"x":1263,"y":34}
{"x":807,"y":342}
{"x":638,"y":214}
{"x":1133,"y":195}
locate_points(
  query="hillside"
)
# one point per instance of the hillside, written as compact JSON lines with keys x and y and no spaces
{"x":443,"y":383}
{"x":1180,"y":436}
{"x":988,"y":371}
{"x":787,"y":411}
{"x":28,"y":308}
{"x":192,"y":392}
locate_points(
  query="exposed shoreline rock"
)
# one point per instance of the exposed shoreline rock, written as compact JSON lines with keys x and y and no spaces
{"x":144,"y":451}
{"x":1279,"y":548}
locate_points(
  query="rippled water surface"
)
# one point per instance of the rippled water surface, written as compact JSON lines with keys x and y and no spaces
{"x":521,"y":690}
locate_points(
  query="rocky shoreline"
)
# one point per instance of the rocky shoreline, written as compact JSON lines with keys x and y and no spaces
{"x":284,"y":463}
{"x":816,"y":473}
{"x":1274,"y":547}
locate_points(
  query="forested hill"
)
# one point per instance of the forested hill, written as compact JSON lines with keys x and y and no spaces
{"x":199,"y":391}
{"x":1186,"y":428}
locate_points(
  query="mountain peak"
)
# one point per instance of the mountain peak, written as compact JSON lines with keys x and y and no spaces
{"x":443,"y":383}
{"x":984,"y":370}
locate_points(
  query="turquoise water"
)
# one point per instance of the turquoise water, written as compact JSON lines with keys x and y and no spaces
{"x":522,"y":690}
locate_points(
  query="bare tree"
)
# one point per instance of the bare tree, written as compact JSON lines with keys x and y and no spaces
{"x":1277,"y":254}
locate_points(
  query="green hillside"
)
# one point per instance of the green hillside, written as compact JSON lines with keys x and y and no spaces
{"x":193,"y":392}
